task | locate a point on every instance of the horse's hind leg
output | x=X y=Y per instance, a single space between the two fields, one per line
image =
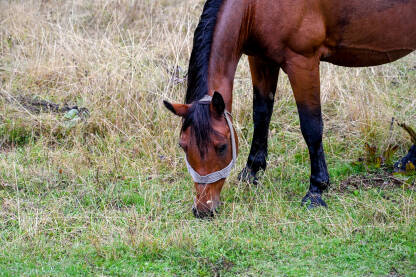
x=264 y=77
x=410 y=157
x=303 y=74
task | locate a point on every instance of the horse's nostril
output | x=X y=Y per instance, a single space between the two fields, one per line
x=195 y=212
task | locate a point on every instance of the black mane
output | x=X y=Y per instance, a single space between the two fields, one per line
x=198 y=115
x=198 y=64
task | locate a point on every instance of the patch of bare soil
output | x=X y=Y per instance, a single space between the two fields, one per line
x=394 y=273
x=36 y=105
x=380 y=180
x=221 y=265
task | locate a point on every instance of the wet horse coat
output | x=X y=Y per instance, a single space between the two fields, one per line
x=294 y=35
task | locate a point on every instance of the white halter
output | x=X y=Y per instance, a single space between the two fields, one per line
x=223 y=173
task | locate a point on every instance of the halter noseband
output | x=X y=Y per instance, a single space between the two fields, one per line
x=223 y=173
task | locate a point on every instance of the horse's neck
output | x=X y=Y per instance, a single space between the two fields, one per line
x=226 y=50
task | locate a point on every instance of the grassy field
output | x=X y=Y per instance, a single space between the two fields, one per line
x=110 y=195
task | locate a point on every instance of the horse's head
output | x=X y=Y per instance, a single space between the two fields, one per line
x=210 y=145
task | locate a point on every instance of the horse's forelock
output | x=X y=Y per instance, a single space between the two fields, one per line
x=199 y=120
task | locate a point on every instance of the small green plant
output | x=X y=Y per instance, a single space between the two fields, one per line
x=379 y=158
x=15 y=133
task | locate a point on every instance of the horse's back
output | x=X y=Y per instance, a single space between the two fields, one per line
x=348 y=33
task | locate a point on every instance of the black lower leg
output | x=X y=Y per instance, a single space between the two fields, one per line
x=262 y=112
x=410 y=157
x=311 y=126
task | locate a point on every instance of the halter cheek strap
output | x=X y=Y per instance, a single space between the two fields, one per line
x=223 y=173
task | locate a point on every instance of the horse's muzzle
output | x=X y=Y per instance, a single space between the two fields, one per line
x=202 y=214
x=206 y=212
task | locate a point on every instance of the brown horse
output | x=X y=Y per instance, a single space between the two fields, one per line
x=294 y=35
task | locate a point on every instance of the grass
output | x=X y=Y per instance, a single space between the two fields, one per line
x=111 y=196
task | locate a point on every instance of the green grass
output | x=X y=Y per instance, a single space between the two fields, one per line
x=111 y=196
x=136 y=225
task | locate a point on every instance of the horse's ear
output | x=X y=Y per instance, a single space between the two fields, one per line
x=178 y=109
x=217 y=103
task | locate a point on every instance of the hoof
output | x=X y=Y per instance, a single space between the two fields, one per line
x=315 y=200
x=403 y=166
x=400 y=166
x=247 y=175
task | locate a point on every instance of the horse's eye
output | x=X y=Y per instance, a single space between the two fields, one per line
x=221 y=149
x=181 y=146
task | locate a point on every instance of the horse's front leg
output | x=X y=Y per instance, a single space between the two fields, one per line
x=303 y=74
x=264 y=77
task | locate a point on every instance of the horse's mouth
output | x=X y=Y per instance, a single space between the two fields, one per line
x=202 y=214
x=207 y=214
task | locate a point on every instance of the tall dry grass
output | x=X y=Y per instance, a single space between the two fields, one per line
x=120 y=58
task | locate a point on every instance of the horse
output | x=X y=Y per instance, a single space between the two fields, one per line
x=292 y=35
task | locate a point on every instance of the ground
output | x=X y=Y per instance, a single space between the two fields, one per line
x=110 y=194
